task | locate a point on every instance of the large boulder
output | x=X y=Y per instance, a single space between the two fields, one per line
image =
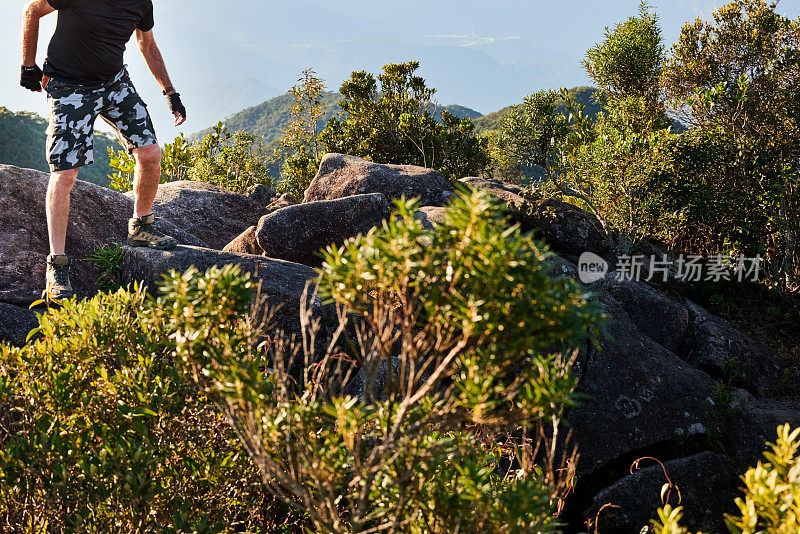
x=98 y=216
x=568 y=229
x=715 y=346
x=706 y=482
x=244 y=243
x=286 y=199
x=341 y=176
x=639 y=395
x=430 y=215
x=282 y=282
x=662 y=319
x=15 y=324
x=208 y=211
x=261 y=193
x=297 y=233
x=509 y=193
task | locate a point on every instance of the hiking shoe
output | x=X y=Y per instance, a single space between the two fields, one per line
x=142 y=232
x=57 y=278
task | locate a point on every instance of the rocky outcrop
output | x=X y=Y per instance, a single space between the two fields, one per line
x=706 y=481
x=286 y=199
x=297 y=233
x=342 y=176
x=244 y=243
x=213 y=214
x=98 y=216
x=715 y=346
x=662 y=319
x=566 y=228
x=261 y=193
x=640 y=395
x=15 y=324
x=282 y=283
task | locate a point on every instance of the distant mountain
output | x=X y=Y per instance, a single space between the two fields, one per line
x=462 y=112
x=269 y=119
x=209 y=103
x=22 y=143
x=583 y=95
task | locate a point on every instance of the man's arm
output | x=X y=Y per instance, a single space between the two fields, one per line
x=34 y=10
x=155 y=62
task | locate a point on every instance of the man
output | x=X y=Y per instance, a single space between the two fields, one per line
x=84 y=77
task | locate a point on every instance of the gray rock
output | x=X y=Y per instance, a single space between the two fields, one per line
x=662 y=319
x=639 y=395
x=342 y=176
x=707 y=483
x=752 y=423
x=297 y=233
x=286 y=199
x=15 y=324
x=98 y=216
x=245 y=243
x=430 y=215
x=715 y=346
x=212 y=213
x=511 y=194
x=261 y=193
x=282 y=282
x=568 y=229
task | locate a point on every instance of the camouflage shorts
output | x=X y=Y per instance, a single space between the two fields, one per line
x=73 y=110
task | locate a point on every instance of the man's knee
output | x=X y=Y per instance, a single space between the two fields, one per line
x=148 y=156
x=63 y=179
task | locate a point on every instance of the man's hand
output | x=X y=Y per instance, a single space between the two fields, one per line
x=31 y=78
x=177 y=108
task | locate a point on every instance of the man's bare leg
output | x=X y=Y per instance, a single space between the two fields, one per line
x=142 y=231
x=57 y=208
x=146 y=177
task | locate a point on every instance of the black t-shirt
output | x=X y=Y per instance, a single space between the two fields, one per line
x=89 y=42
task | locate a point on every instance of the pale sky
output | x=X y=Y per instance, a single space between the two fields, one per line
x=483 y=54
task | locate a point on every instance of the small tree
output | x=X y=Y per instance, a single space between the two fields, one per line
x=532 y=133
x=397 y=124
x=233 y=161
x=301 y=144
x=626 y=66
x=738 y=76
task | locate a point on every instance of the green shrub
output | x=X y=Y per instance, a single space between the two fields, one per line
x=234 y=161
x=100 y=433
x=397 y=124
x=474 y=340
x=301 y=144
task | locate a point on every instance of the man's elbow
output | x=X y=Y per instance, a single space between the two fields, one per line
x=33 y=9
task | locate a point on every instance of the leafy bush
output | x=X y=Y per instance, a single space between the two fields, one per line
x=445 y=366
x=626 y=66
x=771 y=502
x=234 y=161
x=531 y=133
x=738 y=76
x=398 y=124
x=100 y=433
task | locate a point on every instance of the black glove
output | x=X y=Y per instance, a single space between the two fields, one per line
x=31 y=78
x=175 y=104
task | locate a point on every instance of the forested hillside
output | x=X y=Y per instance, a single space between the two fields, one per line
x=22 y=143
x=269 y=119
